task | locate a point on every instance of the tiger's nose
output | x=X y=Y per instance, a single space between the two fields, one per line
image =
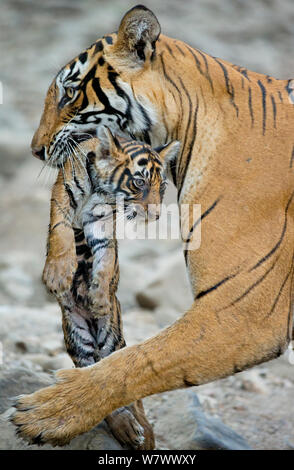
x=39 y=152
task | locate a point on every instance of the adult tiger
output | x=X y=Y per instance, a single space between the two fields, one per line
x=236 y=129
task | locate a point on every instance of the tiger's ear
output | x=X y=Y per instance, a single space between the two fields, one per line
x=168 y=152
x=109 y=144
x=138 y=32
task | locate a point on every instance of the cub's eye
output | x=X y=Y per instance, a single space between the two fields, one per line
x=70 y=91
x=139 y=182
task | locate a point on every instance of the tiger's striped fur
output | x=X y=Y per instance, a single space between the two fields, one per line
x=236 y=159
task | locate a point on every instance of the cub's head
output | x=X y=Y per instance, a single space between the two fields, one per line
x=113 y=82
x=131 y=170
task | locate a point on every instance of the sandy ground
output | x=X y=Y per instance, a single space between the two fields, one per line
x=36 y=39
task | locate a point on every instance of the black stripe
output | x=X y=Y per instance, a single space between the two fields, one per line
x=229 y=86
x=108 y=39
x=142 y=162
x=82 y=249
x=263 y=93
x=79 y=235
x=187 y=128
x=244 y=73
x=72 y=200
x=180 y=50
x=96 y=241
x=122 y=177
x=98 y=46
x=198 y=65
x=205 y=214
x=174 y=85
x=280 y=291
x=103 y=99
x=210 y=289
x=250 y=106
x=173 y=170
x=113 y=174
x=274 y=110
x=100 y=246
x=289 y=88
x=138 y=152
x=207 y=74
x=131 y=146
x=255 y=284
x=77 y=183
x=272 y=251
x=112 y=76
x=170 y=50
x=194 y=134
x=60 y=223
x=83 y=57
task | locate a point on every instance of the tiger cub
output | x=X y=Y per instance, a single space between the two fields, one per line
x=81 y=267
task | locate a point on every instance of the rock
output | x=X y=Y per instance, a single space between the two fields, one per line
x=252 y=381
x=290 y=445
x=168 y=287
x=182 y=424
x=53 y=345
x=47 y=363
x=213 y=434
x=139 y=325
x=16 y=283
x=31 y=330
x=15 y=381
x=145 y=301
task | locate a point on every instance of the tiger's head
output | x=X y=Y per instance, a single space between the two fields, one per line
x=115 y=82
x=129 y=171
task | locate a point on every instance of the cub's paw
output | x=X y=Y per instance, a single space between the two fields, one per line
x=99 y=300
x=59 y=272
x=130 y=430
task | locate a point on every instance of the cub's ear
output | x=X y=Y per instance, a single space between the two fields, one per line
x=168 y=152
x=138 y=32
x=109 y=144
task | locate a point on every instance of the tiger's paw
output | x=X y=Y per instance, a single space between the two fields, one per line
x=55 y=414
x=131 y=429
x=59 y=272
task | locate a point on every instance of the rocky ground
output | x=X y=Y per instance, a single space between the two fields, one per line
x=253 y=409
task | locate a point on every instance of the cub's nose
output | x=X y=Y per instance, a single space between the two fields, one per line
x=39 y=152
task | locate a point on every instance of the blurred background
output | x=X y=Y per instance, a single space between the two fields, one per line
x=252 y=409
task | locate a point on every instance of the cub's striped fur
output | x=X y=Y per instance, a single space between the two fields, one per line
x=82 y=267
x=236 y=160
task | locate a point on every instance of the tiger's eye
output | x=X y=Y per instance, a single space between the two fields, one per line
x=70 y=92
x=139 y=182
